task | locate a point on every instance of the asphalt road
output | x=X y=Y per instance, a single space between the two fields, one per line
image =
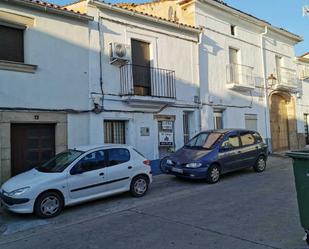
x=245 y=210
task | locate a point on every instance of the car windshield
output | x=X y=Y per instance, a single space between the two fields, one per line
x=60 y=161
x=205 y=140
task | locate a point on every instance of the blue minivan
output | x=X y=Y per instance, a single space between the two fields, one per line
x=212 y=153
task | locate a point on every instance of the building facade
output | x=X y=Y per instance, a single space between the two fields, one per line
x=43 y=78
x=149 y=97
x=248 y=75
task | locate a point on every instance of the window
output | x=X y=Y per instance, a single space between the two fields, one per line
x=93 y=161
x=232 y=142
x=204 y=140
x=233 y=30
x=278 y=67
x=118 y=156
x=218 y=119
x=258 y=138
x=251 y=122
x=247 y=139
x=11 y=44
x=114 y=132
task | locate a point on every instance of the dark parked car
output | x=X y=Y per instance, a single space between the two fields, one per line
x=212 y=153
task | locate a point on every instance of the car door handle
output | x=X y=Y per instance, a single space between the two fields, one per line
x=101 y=174
x=239 y=152
x=130 y=167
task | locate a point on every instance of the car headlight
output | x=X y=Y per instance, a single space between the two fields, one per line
x=193 y=165
x=169 y=162
x=18 y=191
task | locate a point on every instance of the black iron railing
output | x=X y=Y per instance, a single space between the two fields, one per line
x=147 y=81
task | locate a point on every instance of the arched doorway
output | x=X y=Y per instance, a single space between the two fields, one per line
x=282 y=121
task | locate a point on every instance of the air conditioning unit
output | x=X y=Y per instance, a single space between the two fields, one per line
x=119 y=53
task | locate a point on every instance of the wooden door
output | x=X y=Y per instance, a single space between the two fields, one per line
x=306 y=124
x=141 y=67
x=279 y=123
x=31 y=145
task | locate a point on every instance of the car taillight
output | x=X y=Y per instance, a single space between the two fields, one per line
x=146 y=162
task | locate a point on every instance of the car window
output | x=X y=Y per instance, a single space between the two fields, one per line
x=247 y=139
x=118 y=156
x=231 y=142
x=258 y=138
x=60 y=162
x=204 y=140
x=93 y=161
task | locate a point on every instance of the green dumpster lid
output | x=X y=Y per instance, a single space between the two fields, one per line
x=299 y=154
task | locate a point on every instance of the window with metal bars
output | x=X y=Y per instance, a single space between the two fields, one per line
x=114 y=132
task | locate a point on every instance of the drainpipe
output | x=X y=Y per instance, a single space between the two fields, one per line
x=199 y=79
x=266 y=102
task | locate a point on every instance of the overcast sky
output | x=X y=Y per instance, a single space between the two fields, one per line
x=282 y=13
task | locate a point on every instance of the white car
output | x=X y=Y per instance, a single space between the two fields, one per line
x=77 y=175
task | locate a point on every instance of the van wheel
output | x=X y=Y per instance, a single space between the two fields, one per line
x=139 y=186
x=48 y=205
x=213 y=174
x=260 y=164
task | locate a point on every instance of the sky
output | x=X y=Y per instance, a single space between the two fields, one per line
x=286 y=14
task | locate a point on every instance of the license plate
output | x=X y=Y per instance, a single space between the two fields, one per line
x=177 y=170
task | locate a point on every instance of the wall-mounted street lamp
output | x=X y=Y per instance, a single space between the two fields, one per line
x=272 y=80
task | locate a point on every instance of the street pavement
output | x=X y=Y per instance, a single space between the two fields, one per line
x=245 y=210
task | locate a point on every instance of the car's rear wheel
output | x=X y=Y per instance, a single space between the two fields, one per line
x=48 y=205
x=213 y=174
x=139 y=186
x=260 y=164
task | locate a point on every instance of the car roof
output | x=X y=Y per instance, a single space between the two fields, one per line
x=86 y=148
x=224 y=131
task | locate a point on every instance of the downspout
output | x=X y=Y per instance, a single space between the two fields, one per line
x=100 y=59
x=199 y=80
x=266 y=102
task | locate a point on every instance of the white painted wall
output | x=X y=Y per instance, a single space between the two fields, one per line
x=214 y=56
x=59 y=47
x=171 y=49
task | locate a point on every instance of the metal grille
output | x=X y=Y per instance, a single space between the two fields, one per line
x=114 y=132
x=147 y=81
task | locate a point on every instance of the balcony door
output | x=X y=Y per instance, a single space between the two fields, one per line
x=141 y=67
x=234 y=63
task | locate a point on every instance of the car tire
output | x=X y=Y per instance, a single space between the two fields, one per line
x=162 y=167
x=213 y=174
x=48 y=205
x=260 y=164
x=139 y=186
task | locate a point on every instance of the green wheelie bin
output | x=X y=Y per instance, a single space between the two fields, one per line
x=301 y=176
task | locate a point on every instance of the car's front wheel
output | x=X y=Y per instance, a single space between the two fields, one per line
x=213 y=174
x=48 y=205
x=260 y=164
x=139 y=186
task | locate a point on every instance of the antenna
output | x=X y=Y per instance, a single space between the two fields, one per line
x=305 y=11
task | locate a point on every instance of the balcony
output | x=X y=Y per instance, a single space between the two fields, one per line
x=142 y=84
x=304 y=75
x=287 y=80
x=240 y=77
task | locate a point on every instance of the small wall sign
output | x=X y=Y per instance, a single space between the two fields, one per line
x=145 y=131
x=166 y=138
x=167 y=125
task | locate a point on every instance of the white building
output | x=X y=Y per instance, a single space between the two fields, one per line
x=143 y=78
x=43 y=78
x=247 y=72
x=303 y=100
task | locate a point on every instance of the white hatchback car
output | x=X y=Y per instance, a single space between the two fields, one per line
x=77 y=175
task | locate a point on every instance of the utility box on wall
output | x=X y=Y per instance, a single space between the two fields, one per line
x=145 y=131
